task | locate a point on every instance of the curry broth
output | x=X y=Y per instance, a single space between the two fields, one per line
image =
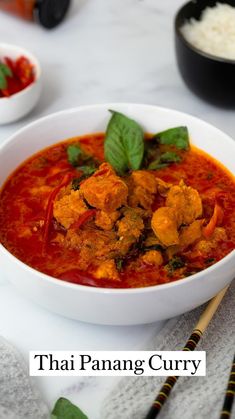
x=23 y=206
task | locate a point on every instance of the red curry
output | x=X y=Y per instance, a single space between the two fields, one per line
x=131 y=239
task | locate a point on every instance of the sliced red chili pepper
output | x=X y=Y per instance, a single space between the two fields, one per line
x=216 y=218
x=10 y=63
x=22 y=75
x=49 y=210
x=104 y=170
x=100 y=172
x=86 y=216
x=24 y=70
x=13 y=86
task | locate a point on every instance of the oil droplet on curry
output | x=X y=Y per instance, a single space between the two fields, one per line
x=90 y=225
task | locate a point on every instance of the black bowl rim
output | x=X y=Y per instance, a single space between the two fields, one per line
x=198 y=51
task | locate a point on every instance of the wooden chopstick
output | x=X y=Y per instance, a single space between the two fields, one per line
x=191 y=344
x=229 y=395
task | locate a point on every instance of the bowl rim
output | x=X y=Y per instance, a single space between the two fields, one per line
x=114 y=291
x=196 y=50
x=35 y=62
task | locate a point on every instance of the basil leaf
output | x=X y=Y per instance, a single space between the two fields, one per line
x=87 y=170
x=5 y=72
x=73 y=153
x=64 y=409
x=119 y=264
x=81 y=160
x=164 y=160
x=3 y=81
x=124 y=143
x=170 y=157
x=157 y=165
x=178 y=137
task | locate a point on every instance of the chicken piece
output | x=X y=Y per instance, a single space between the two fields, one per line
x=69 y=208
x=153 y=257
x=129 y=230
x=205 y=246
x=163 y=187
x=185 y=201
x=106 y=220
x=131 y=224
x=142 y=189
x=100 y=242
x=91 y=244
x=164 y=225
x=145 y=180
x=191 y=233
x=105 y=190
x=107 y=270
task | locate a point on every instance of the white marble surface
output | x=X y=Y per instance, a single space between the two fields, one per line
x=106 y=51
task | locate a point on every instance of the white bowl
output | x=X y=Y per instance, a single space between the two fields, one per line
x=20 y=104
x=114 y=306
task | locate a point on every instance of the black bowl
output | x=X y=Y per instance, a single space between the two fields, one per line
x=210 y=77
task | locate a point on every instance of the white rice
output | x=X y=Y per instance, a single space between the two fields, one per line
x=215 y=32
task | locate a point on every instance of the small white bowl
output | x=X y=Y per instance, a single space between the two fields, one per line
x=20 y=104
x=104 y=305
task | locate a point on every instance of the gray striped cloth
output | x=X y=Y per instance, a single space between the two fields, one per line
x=192 y=397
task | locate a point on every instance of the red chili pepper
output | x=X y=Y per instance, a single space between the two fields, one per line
x=100 y=172
x=13 y=86
x=22 y=75
x=86 y=216
x=103 y=170
x=49 y=210
x=216 y=218
x=10 y=63
x=24 y=71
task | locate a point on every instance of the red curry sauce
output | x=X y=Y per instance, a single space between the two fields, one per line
x=25 y=193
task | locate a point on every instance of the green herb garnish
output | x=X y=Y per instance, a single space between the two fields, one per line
x=78 y=157
x=82 y=161
x=77 y=181
x=177 y=137
x=87 y=170
x=119 y=264
x=64 y=409
x=174 y=138
x=164 y=160
x=124 y=143
x=170 y=157
x=5 y=72
x=74 y=154
x=175 y=263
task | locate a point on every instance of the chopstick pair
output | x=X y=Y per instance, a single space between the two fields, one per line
x=191 y=344
x=229 y=395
